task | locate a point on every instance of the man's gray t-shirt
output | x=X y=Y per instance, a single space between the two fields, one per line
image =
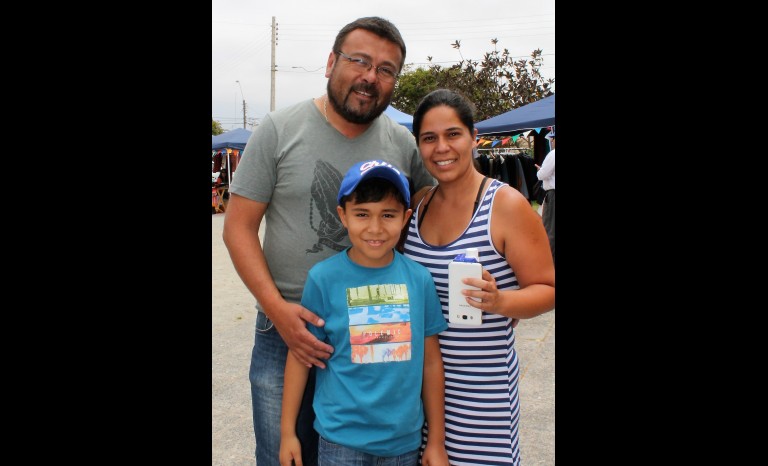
x=295 y=161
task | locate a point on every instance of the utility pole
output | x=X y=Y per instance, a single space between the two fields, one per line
x=274 y=43
x=241 y=93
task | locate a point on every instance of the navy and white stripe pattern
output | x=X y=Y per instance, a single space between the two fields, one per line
x=482 y=407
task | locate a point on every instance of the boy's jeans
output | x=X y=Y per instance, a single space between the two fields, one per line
x=333 y=454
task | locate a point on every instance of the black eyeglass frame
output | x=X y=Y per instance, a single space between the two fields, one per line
x=381 y=71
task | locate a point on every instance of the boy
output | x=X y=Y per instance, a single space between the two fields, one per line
x=382 y=316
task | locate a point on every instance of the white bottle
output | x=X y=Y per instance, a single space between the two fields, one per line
x=463 y=266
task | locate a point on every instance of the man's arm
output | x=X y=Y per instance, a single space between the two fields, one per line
x=241 y=237
x=547 y=166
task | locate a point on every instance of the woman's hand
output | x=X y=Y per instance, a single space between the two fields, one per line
x=488 y=294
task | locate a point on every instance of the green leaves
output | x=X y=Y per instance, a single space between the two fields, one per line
x=495 y=85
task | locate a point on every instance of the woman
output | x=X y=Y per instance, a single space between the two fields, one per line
x=467 y=209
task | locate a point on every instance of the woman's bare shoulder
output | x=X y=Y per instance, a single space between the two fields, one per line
x=419 y=195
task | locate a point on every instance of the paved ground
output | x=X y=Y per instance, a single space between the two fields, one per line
x=232 y=327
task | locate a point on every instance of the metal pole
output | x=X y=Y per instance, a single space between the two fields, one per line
x=274 y=43
x=241 y=93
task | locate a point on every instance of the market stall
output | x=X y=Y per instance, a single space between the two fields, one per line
x=226 y=151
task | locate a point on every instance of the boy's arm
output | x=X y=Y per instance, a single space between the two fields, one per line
x=296 y=375
x=433 y=394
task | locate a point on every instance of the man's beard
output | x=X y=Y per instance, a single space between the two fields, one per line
x=352 y=115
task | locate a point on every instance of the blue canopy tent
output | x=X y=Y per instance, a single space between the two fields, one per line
x=232 y=139
x=400 y=117
x=534 y=115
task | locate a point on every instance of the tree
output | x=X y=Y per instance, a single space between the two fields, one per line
x=217 y=129
x=411 y=87
x=495 y=85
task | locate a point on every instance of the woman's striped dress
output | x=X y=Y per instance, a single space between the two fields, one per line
x=482 y=407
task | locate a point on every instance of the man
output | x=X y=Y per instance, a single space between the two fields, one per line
x=546 y=174
x=289 y=175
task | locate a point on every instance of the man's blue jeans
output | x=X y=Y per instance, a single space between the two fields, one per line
x=266 y=375
x=333 y=454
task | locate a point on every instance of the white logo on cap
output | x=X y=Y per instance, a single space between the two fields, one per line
x=376 y=163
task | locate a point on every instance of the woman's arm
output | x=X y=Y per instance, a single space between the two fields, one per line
x=433 y=394
x=517 y=231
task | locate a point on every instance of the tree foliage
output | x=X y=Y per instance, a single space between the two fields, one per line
x=496 y=85
x=411 y=87
x=217 y=129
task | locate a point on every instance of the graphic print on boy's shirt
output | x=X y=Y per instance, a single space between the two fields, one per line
x=379 y=323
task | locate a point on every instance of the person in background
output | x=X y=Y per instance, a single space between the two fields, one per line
x=546 y=174
x=288 y=177
x=468 y=210
x=382 y=316
x=216 y=201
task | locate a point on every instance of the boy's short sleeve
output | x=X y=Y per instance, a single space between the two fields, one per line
x=312 y=299
x=434 y=322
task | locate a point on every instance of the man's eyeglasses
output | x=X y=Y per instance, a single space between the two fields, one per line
x=384 y=73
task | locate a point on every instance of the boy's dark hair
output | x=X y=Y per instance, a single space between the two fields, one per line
x=374 y=190
x=379 y=26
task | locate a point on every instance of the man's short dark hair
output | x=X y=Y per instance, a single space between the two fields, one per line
x=379 y=26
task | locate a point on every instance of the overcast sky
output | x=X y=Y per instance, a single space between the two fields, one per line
x=242 y=43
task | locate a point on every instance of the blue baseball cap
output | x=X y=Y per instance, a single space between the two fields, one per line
x=373 y=169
